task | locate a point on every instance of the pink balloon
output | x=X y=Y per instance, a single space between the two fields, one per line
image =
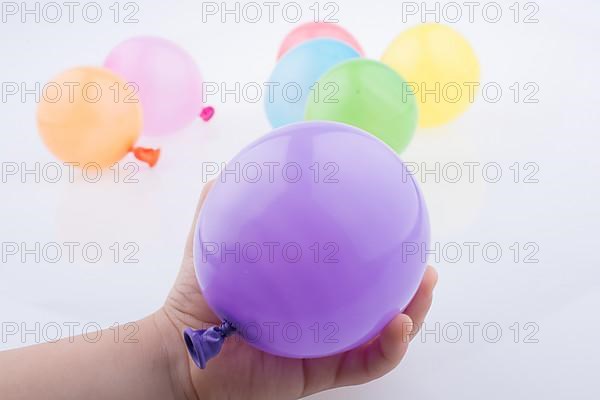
x=168 y=80
x=314 y=30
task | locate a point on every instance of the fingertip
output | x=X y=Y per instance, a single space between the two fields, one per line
x=377 y=358
x=434 y=273
x=209 y=185
x=203 y=195
x=205 y=190
x=395 y=337
x=430 y=278
x=190 y=239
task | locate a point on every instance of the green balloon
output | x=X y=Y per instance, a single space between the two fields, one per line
x=369 y=95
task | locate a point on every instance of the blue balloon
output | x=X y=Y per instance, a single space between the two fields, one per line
x=295 y=75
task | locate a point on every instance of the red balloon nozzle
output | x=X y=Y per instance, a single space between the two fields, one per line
x=144 y=154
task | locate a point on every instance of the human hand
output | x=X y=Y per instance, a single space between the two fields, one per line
x=243 y=372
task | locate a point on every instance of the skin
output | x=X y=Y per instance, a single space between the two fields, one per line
x=155 y=364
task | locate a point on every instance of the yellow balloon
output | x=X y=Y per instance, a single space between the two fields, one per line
x=440 y=66
x=89 y=115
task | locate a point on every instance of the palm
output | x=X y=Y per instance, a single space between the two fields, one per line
x=241 y=371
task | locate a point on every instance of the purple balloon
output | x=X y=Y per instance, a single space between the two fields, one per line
x=311 y=240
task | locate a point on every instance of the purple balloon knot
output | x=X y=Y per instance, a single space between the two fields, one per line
x=204 y=344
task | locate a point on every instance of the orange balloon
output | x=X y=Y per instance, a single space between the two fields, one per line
x=89 y=115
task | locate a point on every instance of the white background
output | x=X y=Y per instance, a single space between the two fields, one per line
x=559 y=294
